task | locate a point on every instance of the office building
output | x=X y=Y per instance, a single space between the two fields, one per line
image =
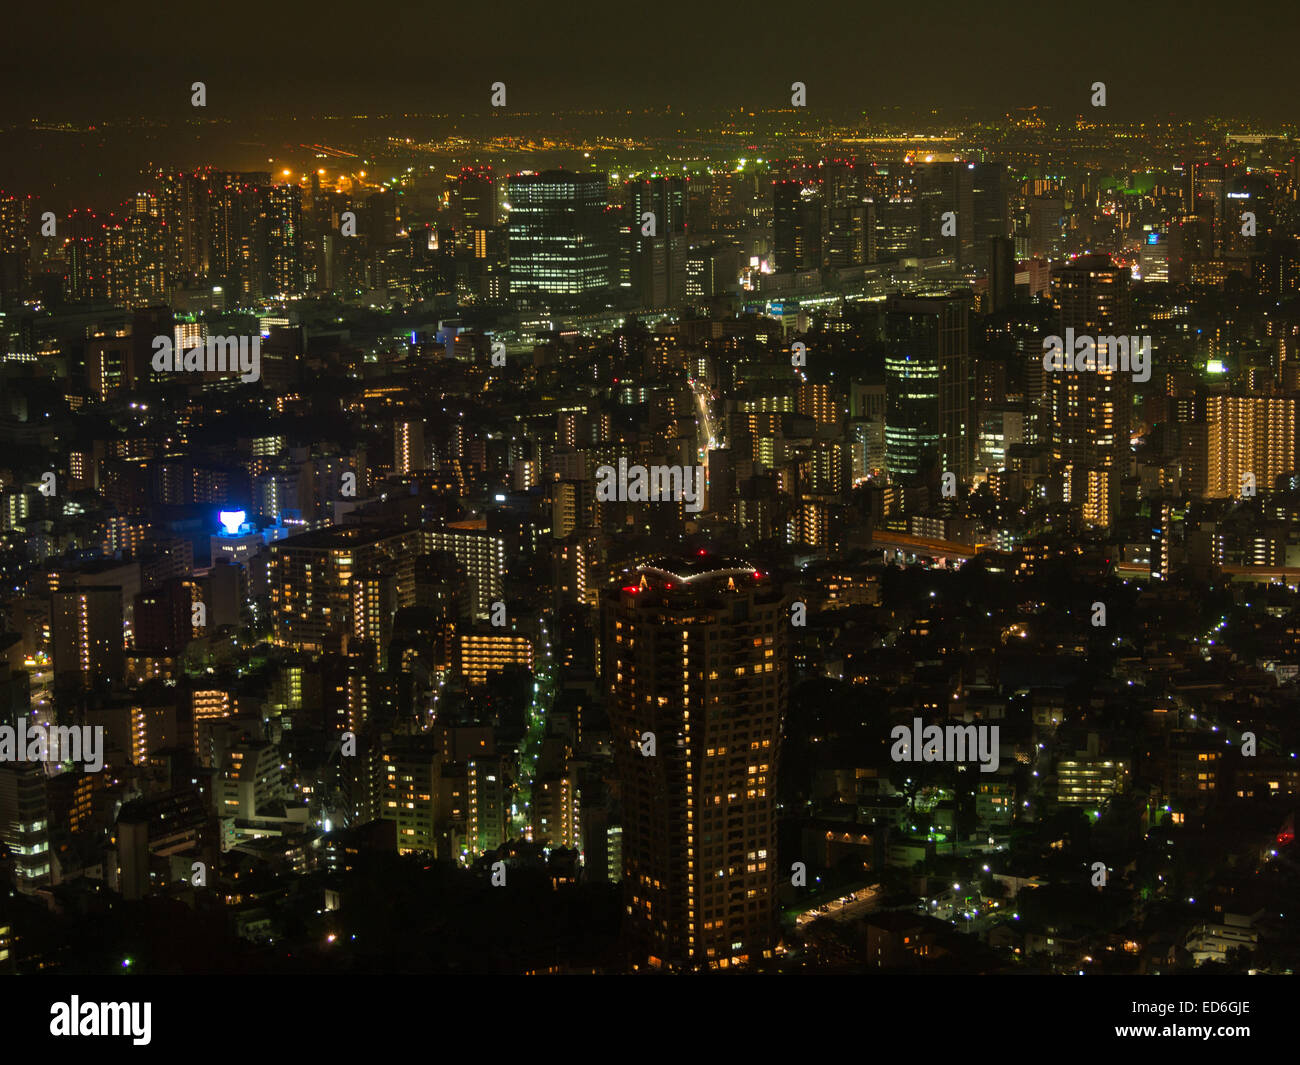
x=560 y=236
x=797 y=225
x=25 y=822
x=657 y=260
x=927 y=387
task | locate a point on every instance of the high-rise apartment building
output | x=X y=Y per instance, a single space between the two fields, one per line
x=374 y=604
x=695 y=661
x=487 y=650
x=1253 y=435
x=481 y=553
x=86 y=631
x=182 y=215
x=236 y=234
x=282 y=212
x=410 y=784
x=1091 y=410
x=311 y=580
x=409 y=451
x=15 y=248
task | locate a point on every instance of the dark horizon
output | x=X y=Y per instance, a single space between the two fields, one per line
x=1155 y=59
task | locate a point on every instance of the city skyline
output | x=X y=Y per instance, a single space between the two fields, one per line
x=754 y=491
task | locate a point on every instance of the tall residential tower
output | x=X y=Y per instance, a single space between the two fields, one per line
x=695 y=656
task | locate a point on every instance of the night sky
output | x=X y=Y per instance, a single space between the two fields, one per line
x=108 y=61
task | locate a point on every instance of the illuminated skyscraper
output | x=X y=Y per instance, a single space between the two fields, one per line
x=560 y=235
x=927 y=387
x=657 y=273
x=236 y=234
x=182 y=218
x=947 y=186
x=474 y=200
x=282 y=207
x=850 y=235
x=797 y=225
x=1279 y=270
x=1091 y=410
x=86 y=256
x=900 y=216
x=1209 y=193
x=695 y=659
x=15 y=249
x=136 y=255
x=1155 y=256
x=1253 y=435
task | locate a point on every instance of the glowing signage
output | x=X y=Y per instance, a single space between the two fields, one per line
x=232 y=520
